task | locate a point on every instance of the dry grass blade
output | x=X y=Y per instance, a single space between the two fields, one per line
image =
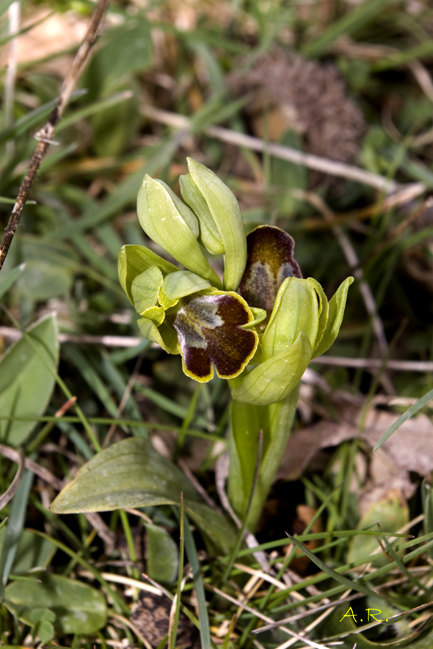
x=11 y=490
x=309 y=160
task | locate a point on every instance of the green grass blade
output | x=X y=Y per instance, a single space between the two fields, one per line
x=14 y=528
x=410 y=412
x=355 y=19
x=199 y=587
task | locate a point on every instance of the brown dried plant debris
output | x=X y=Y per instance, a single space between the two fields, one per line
x=310 y=98
x=408 y=451
x=151 y=615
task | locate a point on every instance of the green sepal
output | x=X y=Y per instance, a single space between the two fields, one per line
x=180 y=284
x=323 y=308
x=163 y=335
x=166 y=222
x=223 y=216
x=145 y=289
x=134 y=260
x=186 y=213
x=209 y=234
x=337 y=305
x=295 y=310
x=275 y=377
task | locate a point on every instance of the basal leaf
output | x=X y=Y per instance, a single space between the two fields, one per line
x=32 y=552
x=128 y=474
x=162 y=554
x=78 y=608
x=133 y=474
x=26 y=382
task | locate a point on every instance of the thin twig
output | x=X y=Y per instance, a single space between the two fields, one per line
x=277 y=150
x=399 y=229
x=263 y=617
x=40 y=471
x=375 y=363
x=10 y=333
x=45 y=136
x=353 y=263
x=124 y=400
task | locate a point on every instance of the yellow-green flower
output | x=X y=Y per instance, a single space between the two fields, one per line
x=276 y=323
x=185 y=311
x=301 y=325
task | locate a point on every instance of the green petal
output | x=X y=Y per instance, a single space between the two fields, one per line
x=222 y=219
x=163 y=335
x=259 y=315
x=269 y=262
x=180 y=284
x=166 y=223
x=337 y=304
x=145 y=288
x=211 y=332
x=134 y=260
x=296 y=309
x=276 y=377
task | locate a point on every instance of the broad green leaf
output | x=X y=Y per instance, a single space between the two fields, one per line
x=337 y=304
x=128 y=474
x=274 y=378
x=78 y=608
x=162 y=554
x=6 y=281
x=33 y=551
x=217 y=530
x=391 y=513
x=133 y=474
x=27 y=380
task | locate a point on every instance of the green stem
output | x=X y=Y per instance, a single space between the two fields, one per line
x=246 y=421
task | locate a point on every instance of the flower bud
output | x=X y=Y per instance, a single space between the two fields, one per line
x=173 y=226
x=221 y=225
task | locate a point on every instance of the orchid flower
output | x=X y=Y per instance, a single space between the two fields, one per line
x=261 y=337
